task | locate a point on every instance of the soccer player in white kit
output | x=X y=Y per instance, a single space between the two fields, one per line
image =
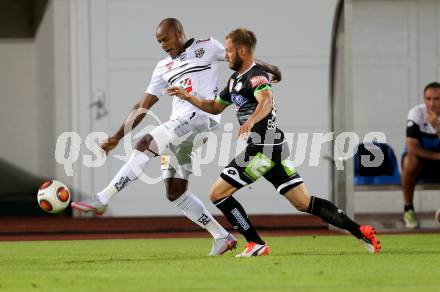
x=192 y=65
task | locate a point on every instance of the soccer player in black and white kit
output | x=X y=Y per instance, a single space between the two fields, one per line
x=191 y=65
x=266 y=154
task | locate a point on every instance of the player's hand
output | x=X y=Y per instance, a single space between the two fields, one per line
x=177 y=91
x=110 y=144
x=245 y=128
x=432 y=118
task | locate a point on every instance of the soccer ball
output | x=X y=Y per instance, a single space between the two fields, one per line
x=53 y=196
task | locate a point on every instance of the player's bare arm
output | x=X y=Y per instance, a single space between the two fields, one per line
x=263 y=108
x=414 y=148
x=272 y=69
x=135 y=117
x=209 y=106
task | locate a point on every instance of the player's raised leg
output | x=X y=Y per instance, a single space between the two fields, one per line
x=145 y=149
x=221 y=196
x=299 y=197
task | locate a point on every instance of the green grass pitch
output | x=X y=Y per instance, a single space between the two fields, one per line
x=299 y=263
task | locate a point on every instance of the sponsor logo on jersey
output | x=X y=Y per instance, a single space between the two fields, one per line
x=238 y=100
x=238 y=86
x=199 y=52
x=169 y=65
x=182 y=57
x=257 y=80
x=202 y=41
x=186 y=84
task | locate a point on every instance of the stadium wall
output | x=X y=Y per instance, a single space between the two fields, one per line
x=18 y=114
x=52 y=54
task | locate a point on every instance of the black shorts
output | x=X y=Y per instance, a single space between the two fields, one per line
x=256 y=161
x=430 y=170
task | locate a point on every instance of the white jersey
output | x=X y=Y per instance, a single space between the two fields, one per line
x=417 y=127
x=195 y=70
x=418 y=115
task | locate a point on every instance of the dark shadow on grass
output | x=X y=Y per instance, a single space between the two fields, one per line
x=144 y=259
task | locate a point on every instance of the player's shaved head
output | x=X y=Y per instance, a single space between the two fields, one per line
x=171 y=23
x=170 y=35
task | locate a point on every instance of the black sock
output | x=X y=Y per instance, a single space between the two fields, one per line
x=408 y=207
x=328 y=212
x=237 y=216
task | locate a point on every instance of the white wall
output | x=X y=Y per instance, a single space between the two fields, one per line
x=44 y=71
x=18 y=103
x=396 y=52
x=52 y=54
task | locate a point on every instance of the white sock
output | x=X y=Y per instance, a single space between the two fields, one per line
x=130 y=171
x=193 y=208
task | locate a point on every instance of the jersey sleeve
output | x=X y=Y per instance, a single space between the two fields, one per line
x=219 y=50
x=259 y=81
x=157 y=84
x=413 y=122
x=224 y=97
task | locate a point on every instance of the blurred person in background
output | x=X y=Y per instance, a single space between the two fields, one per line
x=421 y=158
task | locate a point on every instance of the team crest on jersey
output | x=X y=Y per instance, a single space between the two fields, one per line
x=257 y=80
x=199 y=53
x=238 y=86
x=186 y=84
x=169 y=65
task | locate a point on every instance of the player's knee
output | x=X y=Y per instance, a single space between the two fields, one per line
x=175 y=188
x=147 y=145
x=215 y=195
x=411 y=163
x=299 y=197
x=172 y=196
x=300 y=205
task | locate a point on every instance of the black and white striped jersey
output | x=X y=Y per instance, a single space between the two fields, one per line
x=195 y=70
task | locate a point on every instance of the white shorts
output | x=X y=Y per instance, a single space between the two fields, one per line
x=177 y=139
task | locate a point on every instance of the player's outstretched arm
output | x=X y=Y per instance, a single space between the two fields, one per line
x=272 y=69
x=136 y=115
x=209 y=106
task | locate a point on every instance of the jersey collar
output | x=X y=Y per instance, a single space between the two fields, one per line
x=185 y=46
x=247 y=70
